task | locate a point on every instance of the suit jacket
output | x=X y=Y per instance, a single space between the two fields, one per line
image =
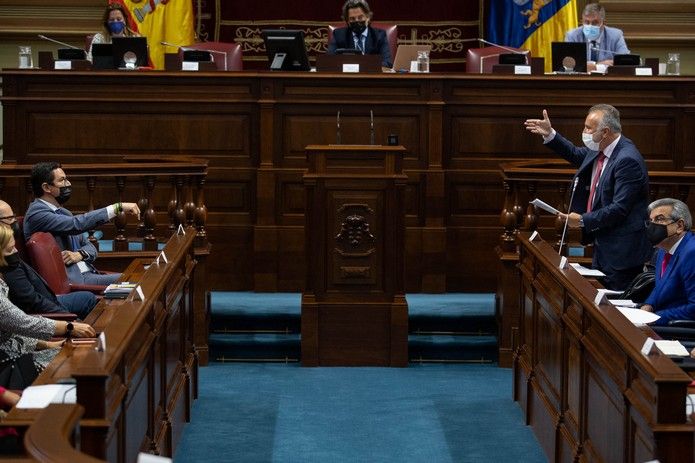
x=611 y=42
x=29 y=291
x=67 y=229
x=616 y=221
x=375 y=44
x=673 y=297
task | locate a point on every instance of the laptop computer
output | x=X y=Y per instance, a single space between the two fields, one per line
x=136 y=47
x=407 y=53
x=343 y=62
x=569 y=57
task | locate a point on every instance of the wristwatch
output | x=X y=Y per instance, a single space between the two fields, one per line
x=68 y=329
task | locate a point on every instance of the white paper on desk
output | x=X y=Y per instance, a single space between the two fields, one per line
x=545 y=206
x=672 y=348
x=638 y=316
x=41 y=396
x=149 y=458
x=623 y=302
x=587 y=272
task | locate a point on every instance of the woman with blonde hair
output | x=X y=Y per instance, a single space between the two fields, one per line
x=23 y=335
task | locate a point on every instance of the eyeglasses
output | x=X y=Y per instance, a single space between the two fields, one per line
x=661 y=220
x=9 y=217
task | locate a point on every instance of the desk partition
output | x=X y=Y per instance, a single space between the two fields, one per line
x=579 y=376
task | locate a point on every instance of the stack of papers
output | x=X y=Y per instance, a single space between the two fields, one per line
x=119 y=290
x=41 y=396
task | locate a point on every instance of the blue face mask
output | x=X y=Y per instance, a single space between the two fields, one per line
x=591 y=32
x=116 y=27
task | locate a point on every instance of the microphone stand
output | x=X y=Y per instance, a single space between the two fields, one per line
x=337 y=133
x=564 y=229
x=371 y=127
x=58 y=42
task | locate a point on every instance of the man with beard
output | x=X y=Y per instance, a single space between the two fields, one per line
x=46 y=213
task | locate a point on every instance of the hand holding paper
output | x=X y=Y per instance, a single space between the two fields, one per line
x=545 y=206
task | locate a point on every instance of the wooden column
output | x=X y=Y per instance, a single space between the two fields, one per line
x=353 y=308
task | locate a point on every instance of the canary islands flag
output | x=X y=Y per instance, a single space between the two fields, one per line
x=170 y=21
x=531 y=24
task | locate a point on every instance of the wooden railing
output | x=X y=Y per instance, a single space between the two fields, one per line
x=181 y=201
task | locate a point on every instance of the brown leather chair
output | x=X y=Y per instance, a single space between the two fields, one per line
x=481 y=60
x=390 y=29
x=44 y=255
x=227 y=56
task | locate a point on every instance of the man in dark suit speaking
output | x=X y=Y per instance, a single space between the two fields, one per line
x=612 y=193
x=359 y=35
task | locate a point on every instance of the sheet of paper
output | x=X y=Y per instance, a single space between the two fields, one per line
x=673 y=348
x=638 y=316
x=623 y=302
x=545 y=206
x=587 y=272
x=609 y=292
x=41 y=396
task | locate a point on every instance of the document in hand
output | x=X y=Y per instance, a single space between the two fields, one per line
x=545 y=206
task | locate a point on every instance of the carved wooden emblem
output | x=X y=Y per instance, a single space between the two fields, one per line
x=354 y=230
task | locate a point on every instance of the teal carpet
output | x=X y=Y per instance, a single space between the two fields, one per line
x=264 y=412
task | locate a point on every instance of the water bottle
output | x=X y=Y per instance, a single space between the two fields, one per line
x=25 y=59
x=423 y=61
x=673 y=65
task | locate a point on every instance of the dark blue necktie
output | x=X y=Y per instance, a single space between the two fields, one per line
x=358 y=42
x=594 y=51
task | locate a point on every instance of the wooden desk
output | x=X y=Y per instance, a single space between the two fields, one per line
x=253 y=127
x=136 y=394
x=580 y=377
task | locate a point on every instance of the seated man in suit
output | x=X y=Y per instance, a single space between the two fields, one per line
x=359 y=35
x=668 y=228
x=603 y=42
x=28 y=290
x=52 y=189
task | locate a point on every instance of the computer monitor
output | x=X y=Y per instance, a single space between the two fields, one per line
x=71 y=54
x=133 y=49
x=102 y=56
x=626 y=60
x=569 y=57
x=286 y=50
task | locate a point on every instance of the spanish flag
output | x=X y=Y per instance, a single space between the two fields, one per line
x=531 y=24
x=170 y=21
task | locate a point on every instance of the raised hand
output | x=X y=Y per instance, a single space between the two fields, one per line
x=540 y=126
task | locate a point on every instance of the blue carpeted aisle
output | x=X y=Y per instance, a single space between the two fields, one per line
x=265 y=412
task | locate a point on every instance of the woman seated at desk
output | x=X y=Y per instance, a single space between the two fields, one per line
x=114 y=24
x=22 y=334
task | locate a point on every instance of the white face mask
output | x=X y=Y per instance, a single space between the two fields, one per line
x=588 y=139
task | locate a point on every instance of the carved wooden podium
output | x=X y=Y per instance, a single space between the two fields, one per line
x=353 y=308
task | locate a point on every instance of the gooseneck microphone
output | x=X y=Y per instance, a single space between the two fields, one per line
x=58 y=42
x=564 y=229
x=371 y=127
x=503 y=47
x=337 y=128
x=593 y=46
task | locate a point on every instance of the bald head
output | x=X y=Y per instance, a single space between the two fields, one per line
x=5 y=210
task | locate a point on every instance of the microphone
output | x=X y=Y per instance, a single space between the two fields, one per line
x=594 y=46
x=564 y=229
x=212 y=52
x=503 y=47
x=58 y=42
x=337 y=133
x=371 y=126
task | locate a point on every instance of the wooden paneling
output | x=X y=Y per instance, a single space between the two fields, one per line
x=253 y=128
x=586 y=388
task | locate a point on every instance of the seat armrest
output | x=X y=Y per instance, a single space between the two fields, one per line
x=96 y=289
x=682 y=323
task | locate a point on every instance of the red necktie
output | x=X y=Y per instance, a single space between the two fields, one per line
x=664 y=263
x=594 y=183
